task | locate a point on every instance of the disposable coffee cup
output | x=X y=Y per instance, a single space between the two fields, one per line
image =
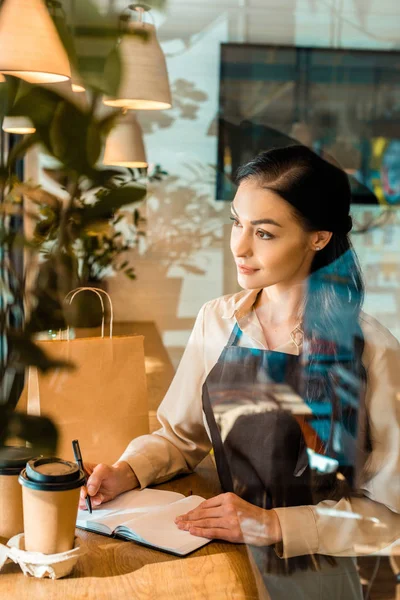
x=12 y=461
x=50 y=491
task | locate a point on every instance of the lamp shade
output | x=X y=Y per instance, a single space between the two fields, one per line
x=77 y=84
x=124 y=145
x=77 y=87
x=144 y=83
x=30 y=47
x=21 y=125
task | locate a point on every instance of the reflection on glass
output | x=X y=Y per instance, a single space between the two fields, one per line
x=308 y=429
x=344 y=104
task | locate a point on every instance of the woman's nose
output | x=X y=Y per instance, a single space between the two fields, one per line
x=241 y=245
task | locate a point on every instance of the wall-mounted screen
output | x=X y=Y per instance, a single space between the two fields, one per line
x=344 y=104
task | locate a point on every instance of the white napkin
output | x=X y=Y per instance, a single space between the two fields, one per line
x=37 y=564
x=3 y=555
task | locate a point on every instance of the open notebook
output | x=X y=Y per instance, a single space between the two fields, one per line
x=145 y=516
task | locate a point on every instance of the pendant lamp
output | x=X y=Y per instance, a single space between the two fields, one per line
x=30 y=47
x=20 y=125
x=144 y=83
x=77 y=84
x=124 y=144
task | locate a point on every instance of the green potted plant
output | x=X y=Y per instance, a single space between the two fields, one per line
x=97 y=247
x=100 y=250
x=58 y=271
x=33 y=301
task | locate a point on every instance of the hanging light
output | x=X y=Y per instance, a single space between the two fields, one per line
x=77 y=84
x=144 y=83
x=124 y=144
x=20 y=125
x=30 y=47
x=77 y=88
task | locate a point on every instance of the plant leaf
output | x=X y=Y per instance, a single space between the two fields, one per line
x=38 y=195
x=111 y=202
x=8 y=94
x=39 y=104
x=74 y=138
x=112 y=72
x=103 y=177
x=25 y=353
x=108 y=122
x=40 y=432
x=56 y=277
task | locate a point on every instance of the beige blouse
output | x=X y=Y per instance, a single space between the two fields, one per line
x=346 y=528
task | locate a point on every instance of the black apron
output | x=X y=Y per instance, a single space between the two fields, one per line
x=261 y=456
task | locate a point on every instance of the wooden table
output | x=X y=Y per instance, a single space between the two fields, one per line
x=117 y=570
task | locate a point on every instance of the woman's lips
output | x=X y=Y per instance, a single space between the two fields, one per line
x=246 y=270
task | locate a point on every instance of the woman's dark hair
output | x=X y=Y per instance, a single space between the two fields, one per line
x=331 y=363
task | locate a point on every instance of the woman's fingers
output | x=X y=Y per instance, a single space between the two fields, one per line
x=217 y=528
x=214 y=533
x=215 y=517
x=228 y=517
x=89 y=467
x=94 y=500
x=200 y=513
x=223 y=528
x=97 y=499
x=206 y=505
x=83 y=493
x=223 y=500
x=211 y=502
x=209 y=523
x=99 y=474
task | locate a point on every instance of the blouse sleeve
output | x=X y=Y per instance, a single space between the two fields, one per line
x=366 y=524
x=182 y=442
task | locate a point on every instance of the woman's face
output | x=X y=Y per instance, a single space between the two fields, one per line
x=267 y=242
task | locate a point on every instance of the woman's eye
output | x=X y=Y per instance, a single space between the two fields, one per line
x=235 y=222
x=263 y=235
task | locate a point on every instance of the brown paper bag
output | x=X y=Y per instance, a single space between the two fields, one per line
x=102 y=403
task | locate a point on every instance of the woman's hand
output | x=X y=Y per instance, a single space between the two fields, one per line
x=228 y=517
x=106 y=482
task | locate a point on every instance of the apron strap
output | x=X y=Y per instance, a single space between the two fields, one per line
x=235 y=336
x=224 y=471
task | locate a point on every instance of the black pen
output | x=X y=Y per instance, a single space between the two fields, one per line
x=78 y=459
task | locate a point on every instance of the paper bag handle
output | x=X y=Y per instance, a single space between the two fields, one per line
x=33 y=400
x=71 y=295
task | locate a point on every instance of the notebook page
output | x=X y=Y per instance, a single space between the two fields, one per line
x=124 y=508
x=119 y=519
x=159 y=529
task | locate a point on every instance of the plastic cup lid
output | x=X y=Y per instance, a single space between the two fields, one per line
x=50 y=473
x=13 y=458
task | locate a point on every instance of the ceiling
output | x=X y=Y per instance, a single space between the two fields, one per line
x=261 y=21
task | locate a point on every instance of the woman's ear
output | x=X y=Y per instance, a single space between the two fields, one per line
x=320 y=239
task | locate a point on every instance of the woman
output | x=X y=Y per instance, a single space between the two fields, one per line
x=293 y=343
